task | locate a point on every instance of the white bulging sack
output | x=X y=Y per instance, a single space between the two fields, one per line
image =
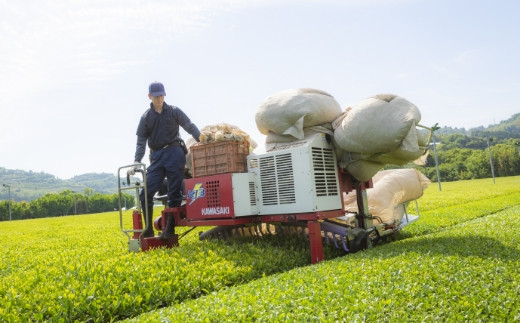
x=391 y=188
x=378 y=124
x=289 y=111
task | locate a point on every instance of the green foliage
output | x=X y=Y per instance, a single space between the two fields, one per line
x=459 y=262
x=453 y=141
x=64 y=203
x=464 y=154
x=509 y=128
x=505 y=129
x=466 y=273
x=462 y=265
x=79 y=268
x=463 y=163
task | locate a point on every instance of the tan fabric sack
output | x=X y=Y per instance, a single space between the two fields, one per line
x=288 y=112
x=377 y=124
x=390 y=189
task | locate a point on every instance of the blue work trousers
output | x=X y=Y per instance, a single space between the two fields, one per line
x=169 y=162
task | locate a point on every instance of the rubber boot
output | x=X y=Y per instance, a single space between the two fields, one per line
x=149 y=230
x=168 y=231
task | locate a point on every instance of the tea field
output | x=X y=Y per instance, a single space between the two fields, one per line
x=459 y=262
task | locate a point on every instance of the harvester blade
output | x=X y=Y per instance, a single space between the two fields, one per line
x=344 y=243
x=335 y=239
x=327 y=240
x=257 y=231
x=336 y=232
x=298 y=231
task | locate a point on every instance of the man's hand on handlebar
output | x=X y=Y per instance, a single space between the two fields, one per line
x=133 y=169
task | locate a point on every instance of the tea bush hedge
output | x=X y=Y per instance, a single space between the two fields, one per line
x=458 y=261
x=468 y=272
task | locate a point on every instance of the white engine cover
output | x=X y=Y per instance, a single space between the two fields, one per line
x=297 y=177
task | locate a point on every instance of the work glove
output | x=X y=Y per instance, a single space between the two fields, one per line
x=133 y=168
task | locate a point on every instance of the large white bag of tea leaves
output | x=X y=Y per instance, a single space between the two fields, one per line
x=289 y=111
x=391 y=190
x=413 y=147
x=378 y=124
x=358 y=165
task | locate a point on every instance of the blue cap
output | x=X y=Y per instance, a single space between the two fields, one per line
x=156 y=89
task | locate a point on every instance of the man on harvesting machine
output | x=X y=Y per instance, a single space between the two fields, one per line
x=159 y=125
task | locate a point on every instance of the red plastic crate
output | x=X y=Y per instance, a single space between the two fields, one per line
x=228 y=156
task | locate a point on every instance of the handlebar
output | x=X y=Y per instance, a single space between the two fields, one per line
x=128 y=175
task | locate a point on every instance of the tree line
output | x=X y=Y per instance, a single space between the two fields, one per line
x=65 y=203
x=461 y=157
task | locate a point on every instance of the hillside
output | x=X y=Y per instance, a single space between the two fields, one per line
x=509 y=128
x=27 y=186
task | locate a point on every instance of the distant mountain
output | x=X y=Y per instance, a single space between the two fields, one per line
x=27 y=186
x=509 y=128
x=102 y=183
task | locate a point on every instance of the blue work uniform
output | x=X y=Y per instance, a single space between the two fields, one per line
x=167 y=158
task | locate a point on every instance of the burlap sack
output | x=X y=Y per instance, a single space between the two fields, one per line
x=390 y=189
x=378 y=124
x=288 y=112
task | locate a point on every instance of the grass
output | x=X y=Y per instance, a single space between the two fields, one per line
x=466 y=273
x=458 y=262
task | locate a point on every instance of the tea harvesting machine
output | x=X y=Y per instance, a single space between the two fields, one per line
x=296 y=188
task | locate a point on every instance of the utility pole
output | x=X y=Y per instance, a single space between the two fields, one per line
x=9 y=193
x=75 y=209
x=491 y=160
x=436 y=127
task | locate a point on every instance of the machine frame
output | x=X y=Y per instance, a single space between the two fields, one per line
x=312 y=221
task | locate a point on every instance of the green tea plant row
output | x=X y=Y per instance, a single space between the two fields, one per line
x=462 y=201
x=470 y=240
x=462 y=192
x=78 y=267
x=466 y=273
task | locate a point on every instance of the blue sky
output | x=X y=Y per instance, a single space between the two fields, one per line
x=74 y=74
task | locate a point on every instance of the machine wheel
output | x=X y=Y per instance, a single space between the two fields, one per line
x=370 y=243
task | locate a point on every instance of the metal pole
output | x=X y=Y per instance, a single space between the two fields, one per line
x=9 y=193
x=491 y=160
x=436 y=127
x=75 y=209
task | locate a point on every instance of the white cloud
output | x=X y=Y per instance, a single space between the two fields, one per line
x=51 y=44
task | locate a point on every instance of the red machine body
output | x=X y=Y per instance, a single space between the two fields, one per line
x=209 y=202
x=209 y=197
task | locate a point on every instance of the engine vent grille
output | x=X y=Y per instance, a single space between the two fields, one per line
x=252 y=195
x=324 y=172
x=253 y=163
x=277 y=180
x=213 y=193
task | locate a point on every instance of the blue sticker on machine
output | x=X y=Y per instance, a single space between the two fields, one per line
x=197 y=192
